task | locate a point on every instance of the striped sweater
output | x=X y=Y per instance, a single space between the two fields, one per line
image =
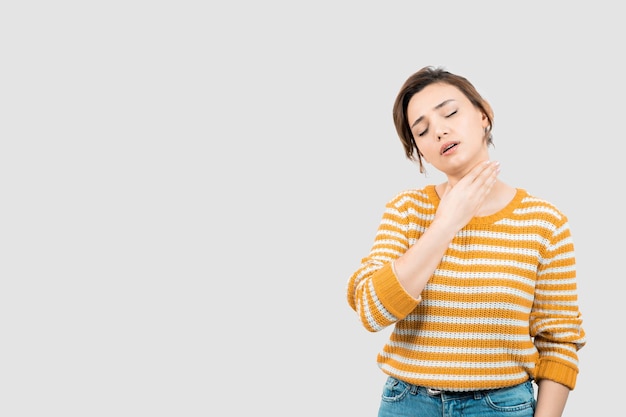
x=500 y=308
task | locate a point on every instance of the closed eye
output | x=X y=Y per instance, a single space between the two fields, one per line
x=452 y=114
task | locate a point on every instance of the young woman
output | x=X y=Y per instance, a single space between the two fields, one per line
x=477 y=277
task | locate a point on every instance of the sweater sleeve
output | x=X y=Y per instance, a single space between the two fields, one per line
x=374 y=291
x=556 y=322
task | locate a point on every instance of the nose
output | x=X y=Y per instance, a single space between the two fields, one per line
x=441 y=130
x=441 y=134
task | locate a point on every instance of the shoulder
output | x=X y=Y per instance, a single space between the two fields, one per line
x=538 y=206
x=413 y=198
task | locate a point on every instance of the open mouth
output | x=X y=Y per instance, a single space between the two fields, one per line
x=446 y=147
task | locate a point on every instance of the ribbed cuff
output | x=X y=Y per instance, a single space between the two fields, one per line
x=556 y=371
x=392 y=294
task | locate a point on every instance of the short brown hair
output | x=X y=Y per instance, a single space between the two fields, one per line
x=416 y=83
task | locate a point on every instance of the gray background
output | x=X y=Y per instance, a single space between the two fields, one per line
x=186 y=190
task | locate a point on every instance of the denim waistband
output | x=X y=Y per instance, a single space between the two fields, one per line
x=477 y=394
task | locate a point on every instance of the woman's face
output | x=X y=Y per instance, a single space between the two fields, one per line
x=448 y=130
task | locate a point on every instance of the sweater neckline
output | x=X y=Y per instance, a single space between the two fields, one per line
x=520 y=193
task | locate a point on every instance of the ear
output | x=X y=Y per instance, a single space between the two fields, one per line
x=488 y=115
x=485 y=121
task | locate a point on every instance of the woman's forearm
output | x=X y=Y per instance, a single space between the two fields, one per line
x=551 y=398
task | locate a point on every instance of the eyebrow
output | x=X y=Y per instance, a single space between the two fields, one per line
x=438 y=106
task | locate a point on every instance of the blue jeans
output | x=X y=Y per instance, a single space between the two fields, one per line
x=400 y=399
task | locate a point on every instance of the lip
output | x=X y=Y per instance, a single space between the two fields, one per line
x=446 y=146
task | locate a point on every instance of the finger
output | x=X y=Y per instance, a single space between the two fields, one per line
x=491 y=179
x=475 y=172
x=487 y=172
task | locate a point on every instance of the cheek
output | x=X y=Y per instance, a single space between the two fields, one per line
x=474 y=127
x=427 y=149
x=482 y=122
